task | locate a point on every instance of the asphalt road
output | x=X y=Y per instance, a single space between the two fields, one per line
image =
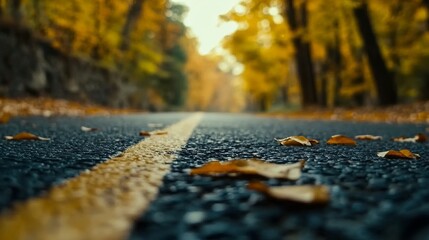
x=371 y=197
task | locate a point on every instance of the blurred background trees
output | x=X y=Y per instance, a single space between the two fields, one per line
x=143 y=39
x=283 y=53
x=338 y=53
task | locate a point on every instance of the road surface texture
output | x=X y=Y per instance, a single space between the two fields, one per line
x=371 y=197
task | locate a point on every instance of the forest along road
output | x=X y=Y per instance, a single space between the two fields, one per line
x=88 y=185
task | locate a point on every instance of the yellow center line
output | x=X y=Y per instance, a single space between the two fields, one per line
x=103 y=202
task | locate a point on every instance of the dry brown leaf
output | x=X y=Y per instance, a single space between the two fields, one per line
x=307 y=194
x=26 y=136
x=403 y=153
x=4 y=118
x=145 y=133
x=341 y=140
x=251 y=167
x=420 y=137
x=404 y=139
x=297 y=141
x=88 y=129
x=368 y=137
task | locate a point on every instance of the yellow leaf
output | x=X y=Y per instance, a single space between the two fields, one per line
x=297 y=141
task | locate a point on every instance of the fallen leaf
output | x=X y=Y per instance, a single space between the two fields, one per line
x=297 y=141
x=4 y=118
x=341 y=140
x=160 y=133
x=368 y=137
x=308 y=194
x=145 y=133
x=26 y=136
x=418 y=138
x=252 y=167
x=404 y=154
x=88 y=129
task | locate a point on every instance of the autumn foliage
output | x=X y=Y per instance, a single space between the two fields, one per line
x=145 y=40
x=341 y=53
x=283 y=53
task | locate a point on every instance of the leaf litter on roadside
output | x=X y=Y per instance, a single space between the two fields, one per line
x=308 y=194
x=341 y=140
x=297 y=141
x=251 y=167
x=368 y=137
x=25 y=136
x=420 y=138
x=402 y=154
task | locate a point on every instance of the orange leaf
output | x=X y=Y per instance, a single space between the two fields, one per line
x=341 y=140
x=26 y=136
x=252 y=167
x=403 y=153
x=297 y=141
x=301 y=194
x=368 y=137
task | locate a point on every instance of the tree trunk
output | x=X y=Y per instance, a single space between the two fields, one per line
x=15 y=10
x=96 y=50
x=336 y=63
x=302 y=52
x=38 y=14
x=426 y=5
x=133 y=15
x=395 y=10
x=384 y=82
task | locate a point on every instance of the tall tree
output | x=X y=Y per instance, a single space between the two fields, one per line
x=133 y=15
x=297 y=20
x=15 y=10
x=384 y=82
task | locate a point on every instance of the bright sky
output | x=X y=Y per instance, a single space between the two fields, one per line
x=203 y=20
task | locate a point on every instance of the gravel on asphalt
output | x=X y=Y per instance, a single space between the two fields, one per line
x=371 y=197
